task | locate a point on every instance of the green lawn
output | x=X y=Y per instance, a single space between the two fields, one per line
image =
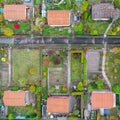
x=37 y=2
x=113 y=67
x=25 y=110
x=76 y=69
x=55 y=32
x=23 y=61
x=24 y=27
x=100 y=26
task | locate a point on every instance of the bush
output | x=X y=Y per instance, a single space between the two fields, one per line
x=15 y=88
x=38 y=90
x=93 y=32
x=79 y=28
x=10 y=116
x=56 y=61
x=32 y=115
x=116 y=88
x=32 y=88
x=85 y=15
x=32 y=71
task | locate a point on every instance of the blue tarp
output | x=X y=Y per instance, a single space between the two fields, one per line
x=106 y=112
x=1 y=10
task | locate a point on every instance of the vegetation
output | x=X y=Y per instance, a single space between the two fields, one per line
x=113 y=65
x=78 y=28
x=31 y=59
x=116 y=88
x=80 y=86
x=97 y=85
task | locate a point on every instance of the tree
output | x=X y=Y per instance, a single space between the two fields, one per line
x=84 y=6
x=8 y=32
x=90 y=88
x=10 y=116
x=117 y=3
x=76 y=112
x=100 y=84
x=116 y=88
x=32 y=88
x=79 y=28
x=85 y=15
x=80 y=86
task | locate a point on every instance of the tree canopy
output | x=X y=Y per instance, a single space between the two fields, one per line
x=116 y=88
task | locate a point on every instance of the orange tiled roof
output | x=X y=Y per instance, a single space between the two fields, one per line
x=58 y=17
x=15 y=12
x=58 y=104
x=102 y=100
x=14 y=98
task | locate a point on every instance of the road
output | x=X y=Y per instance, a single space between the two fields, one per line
x=28 y=40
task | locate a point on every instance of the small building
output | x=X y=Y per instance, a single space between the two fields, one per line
x=58 y=104
x=15 y=12
x=16 y=98
x=102 y=11
x=58 y=17
x=103 y=100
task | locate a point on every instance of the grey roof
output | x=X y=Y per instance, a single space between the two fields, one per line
x=102 y=11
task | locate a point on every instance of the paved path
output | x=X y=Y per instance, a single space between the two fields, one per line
x=69 y=65
x=105 y=34
x=10 y=67
x=103 y=67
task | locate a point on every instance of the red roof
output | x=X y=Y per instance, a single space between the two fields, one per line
x=58 y=104
x=15 y=12
x=58 y=17
x=103 y=100
x=14 y=98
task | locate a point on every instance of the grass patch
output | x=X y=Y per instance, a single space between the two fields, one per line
x=25 y=110
x=23 y=61
x=55 y=32
x=113 y=67
x=76 y=69
x=37 y=2
x=24 y=27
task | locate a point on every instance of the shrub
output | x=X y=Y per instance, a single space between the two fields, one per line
x=15 y=88
x=93 y=32
x=116 y=88
x=10 y=116
x=80 y=86
x=8 y=32
x=77 y=93
x=64 y=89
x=79 y=28
x=85 y=15
x=32 y=115
x=32 y=88
x=56 y=61
x=32 y=71
x=38 y=90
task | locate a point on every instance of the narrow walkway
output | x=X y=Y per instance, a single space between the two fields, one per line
x=10 y=68
x=105 y=34
x=103 y=67
x=69 y=64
